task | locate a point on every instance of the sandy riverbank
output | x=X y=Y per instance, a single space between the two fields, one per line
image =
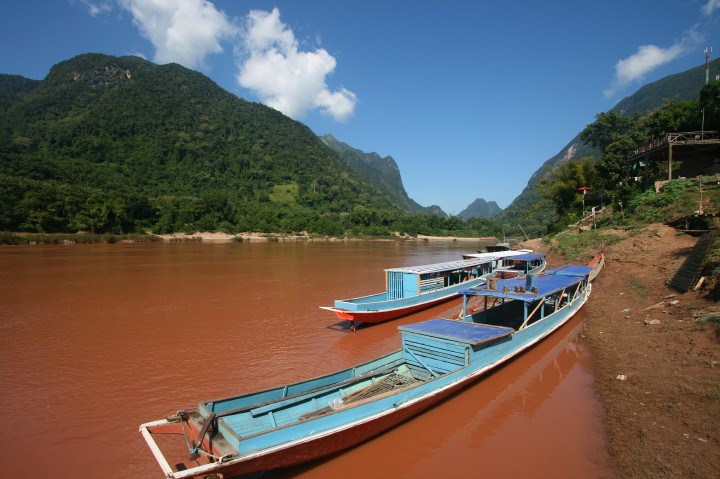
x=656 y=358
x=211 y=237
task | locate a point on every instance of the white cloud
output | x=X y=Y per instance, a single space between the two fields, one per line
x=648 y=58
x=96 y=7
x=183 y=31
x=285 y=78
x=636 y=66
x=711 y=6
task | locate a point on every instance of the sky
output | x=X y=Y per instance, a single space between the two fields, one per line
x=468 y=97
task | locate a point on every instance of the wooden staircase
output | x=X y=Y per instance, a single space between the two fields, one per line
x=689 y=273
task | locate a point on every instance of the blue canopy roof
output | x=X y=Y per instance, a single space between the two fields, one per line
x=461 y=264
x=461 y=331
x=570 y=270
x=551 y=282
x=527 y=256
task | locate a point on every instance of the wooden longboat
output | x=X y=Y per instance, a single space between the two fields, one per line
x=413 y=288
x=300 y=422
x=596 y=264
x=497 y=247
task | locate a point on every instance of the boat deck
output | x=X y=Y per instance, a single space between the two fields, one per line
x=430 y=349
x=247 y=423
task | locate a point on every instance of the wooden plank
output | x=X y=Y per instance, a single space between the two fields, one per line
x=421 y=363
x=208 y=422
x=150 y=440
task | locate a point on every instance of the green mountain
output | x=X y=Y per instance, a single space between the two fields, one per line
x=533 y=213
x=480 y=209
x=119 y=144
x=382 y=172
x=13 y=86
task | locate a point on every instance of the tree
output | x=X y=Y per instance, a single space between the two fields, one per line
x=612 y=168
x=710 y=102
x=561 y=187
x=672 y=117
x=610 y=127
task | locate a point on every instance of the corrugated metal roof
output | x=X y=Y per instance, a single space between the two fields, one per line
x=449 y=265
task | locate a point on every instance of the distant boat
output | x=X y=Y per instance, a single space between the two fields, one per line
x=412 y=288
x=479 y=254
x=493 y=248
x=300 y=422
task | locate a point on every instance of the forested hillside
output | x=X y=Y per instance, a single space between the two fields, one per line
x=382 y=172
x=119 y=144
x=533 y=212
x=123 y=144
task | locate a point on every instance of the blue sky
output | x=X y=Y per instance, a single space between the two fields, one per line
x=468 y=97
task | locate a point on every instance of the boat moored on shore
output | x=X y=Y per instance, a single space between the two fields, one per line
x=596 y=265
x=299 y=422
x=413 y=288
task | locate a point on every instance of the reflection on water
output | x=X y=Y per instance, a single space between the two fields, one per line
x=96 y=339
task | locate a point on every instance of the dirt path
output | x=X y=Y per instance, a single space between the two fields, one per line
x=657 y=366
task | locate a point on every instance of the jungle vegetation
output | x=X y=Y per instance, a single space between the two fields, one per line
x=120 y=145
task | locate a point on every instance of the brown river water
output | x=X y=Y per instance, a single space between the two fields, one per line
x=97 y=339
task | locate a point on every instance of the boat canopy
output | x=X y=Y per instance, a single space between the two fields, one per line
x=570 y=270
x=527 y=257
x=459 y=331
x=533 y=288
x=450 y=265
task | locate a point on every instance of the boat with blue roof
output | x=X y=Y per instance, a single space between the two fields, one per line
x=413 y=288
x=295 y=423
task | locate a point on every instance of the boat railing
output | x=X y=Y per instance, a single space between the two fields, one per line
x=256 y=409
x=431 y=284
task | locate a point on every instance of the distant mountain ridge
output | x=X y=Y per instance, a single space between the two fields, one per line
x=12 y=87
x=480 y=209
x=531 y=212
x=382 y=172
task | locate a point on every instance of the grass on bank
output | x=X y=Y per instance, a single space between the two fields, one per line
x=581 y=247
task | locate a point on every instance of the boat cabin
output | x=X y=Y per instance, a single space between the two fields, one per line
x=410 y=281
x=438 y=346
x=520 y=265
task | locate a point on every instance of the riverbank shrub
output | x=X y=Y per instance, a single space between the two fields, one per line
x=584 y=246
x=8 y=238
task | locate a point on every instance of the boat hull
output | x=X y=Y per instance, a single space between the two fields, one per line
x=597 y=264
x=374 y=317
x=322 y=445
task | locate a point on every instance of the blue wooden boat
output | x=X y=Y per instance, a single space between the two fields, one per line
x=299 y=422
x=412 y=288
